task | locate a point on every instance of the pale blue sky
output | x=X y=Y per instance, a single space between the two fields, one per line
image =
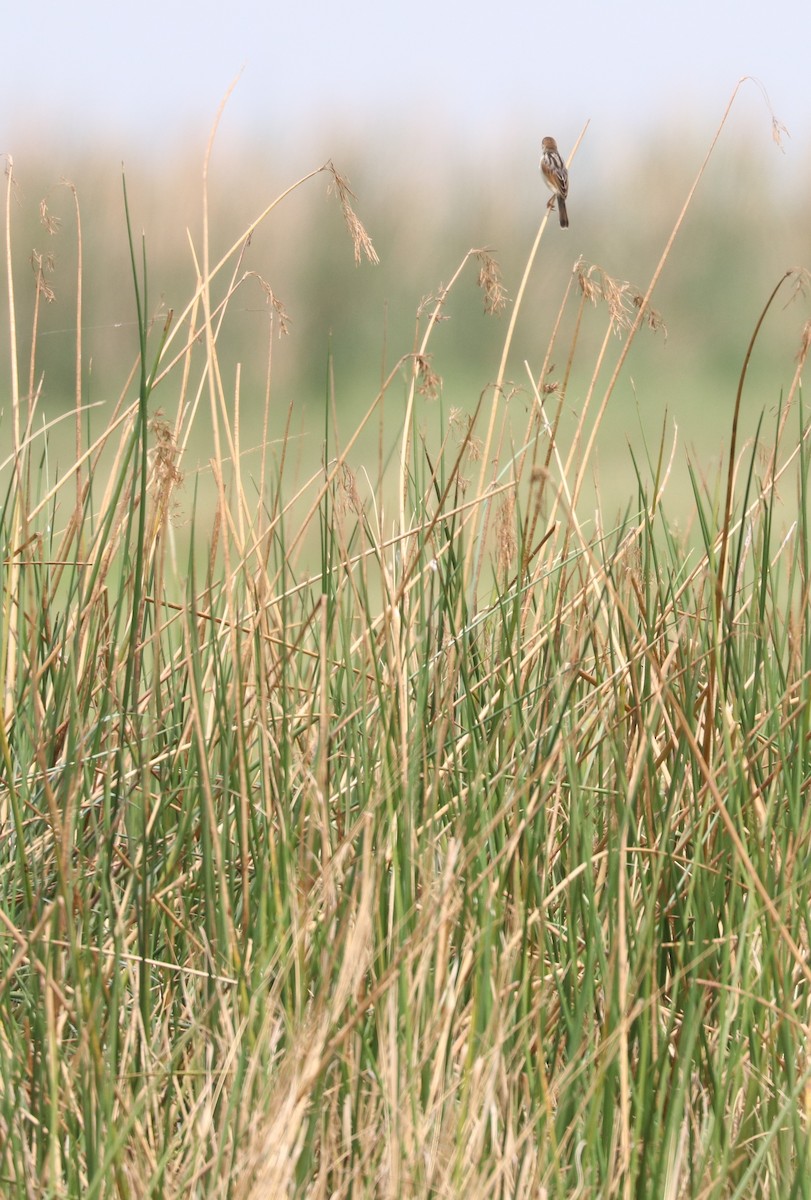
x=148 y=74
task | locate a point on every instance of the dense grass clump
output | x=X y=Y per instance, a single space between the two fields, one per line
x=406 y=831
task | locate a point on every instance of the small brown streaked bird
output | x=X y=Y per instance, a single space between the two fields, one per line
x=556 y=178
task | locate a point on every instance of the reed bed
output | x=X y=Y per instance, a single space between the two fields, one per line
x=407 y=831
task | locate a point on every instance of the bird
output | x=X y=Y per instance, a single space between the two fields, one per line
x=556 y=178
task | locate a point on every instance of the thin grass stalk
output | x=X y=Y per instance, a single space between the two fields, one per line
x=720 y=578
x=418 y=359
x=474 y=563
x=643 y=309
x=8 y=636
x=78 y=358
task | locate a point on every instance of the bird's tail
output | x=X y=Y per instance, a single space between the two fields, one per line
x=562 y=213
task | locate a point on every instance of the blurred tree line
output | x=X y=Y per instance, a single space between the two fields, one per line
x=423 y=207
